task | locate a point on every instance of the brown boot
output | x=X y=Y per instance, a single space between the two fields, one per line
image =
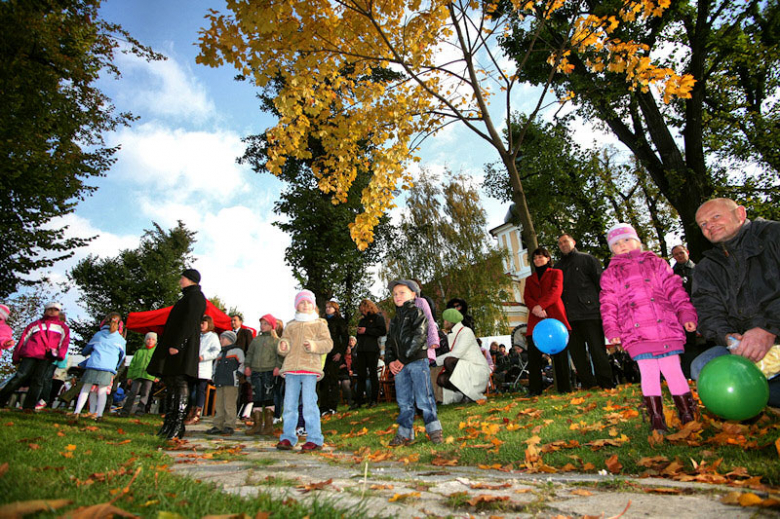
x=268 y=422
x=257 y=417
x=190 y=414
x=194 y=417
x=686 y=407
x=655 y=410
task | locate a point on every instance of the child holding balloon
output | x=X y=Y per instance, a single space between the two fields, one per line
x=646 y=309
x=542 y=296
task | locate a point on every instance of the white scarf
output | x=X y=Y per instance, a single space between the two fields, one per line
x=306 y=317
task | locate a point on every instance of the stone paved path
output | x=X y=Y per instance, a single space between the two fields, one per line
x=392 y=489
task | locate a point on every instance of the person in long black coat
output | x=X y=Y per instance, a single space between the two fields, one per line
x=369 y=329
x=329 y=385
x=176 y=358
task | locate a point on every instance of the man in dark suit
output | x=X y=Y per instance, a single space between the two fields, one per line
x=244 y=335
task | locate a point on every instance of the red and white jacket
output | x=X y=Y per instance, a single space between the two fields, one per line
x=46 y=334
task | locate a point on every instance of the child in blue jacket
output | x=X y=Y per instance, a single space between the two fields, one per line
x=106 y=352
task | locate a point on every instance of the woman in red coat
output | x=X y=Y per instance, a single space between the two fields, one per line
x=542 y=296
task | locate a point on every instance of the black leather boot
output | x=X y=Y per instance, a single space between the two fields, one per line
x=165 y=430
x=655 y=410
x=179 y=413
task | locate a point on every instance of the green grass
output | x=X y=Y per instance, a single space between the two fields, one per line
x=573 y=420
x=91 y=463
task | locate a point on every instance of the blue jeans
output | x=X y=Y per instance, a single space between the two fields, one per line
x=413 y=386
x=716 y=351
x=304 y=386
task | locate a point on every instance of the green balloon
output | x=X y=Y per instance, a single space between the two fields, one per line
x=733 y=388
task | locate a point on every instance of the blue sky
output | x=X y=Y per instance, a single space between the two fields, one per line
x=178 y=162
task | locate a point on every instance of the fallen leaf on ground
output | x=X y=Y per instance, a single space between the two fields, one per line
x=22 y=508
x=308 y=487
x=404 y=497
x=380 y=487
x=487 y=486
x=3 y=469
x=662 y=490
x=581 y=492
x=485 y=499
x=613 y=465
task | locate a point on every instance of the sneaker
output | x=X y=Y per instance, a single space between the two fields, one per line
x=437 y=437
x=227 y=431
x=300 y=431
x=310 y=446
x=398 y=441
x=326 y=412
x=284 y=445
x=277 y=420
x=40 y=405
x=214 y=430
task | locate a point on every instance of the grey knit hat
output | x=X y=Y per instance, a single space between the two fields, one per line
x=229 y=335
x=408 y=283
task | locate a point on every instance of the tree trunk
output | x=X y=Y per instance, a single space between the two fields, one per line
x=521 y=204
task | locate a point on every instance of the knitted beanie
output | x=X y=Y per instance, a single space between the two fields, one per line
x=620 y=231
x=229 y=335
x=53 y=304
x=192 y=274
x=270 y=319
x=151 y=335
x=305 y=295
x=408 y=283
x=452 y=315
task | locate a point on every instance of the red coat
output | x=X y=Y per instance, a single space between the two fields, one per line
x=547 y=294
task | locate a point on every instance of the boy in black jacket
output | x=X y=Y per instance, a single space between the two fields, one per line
x=406 y=356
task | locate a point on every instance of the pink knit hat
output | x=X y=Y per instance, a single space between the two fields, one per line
x=4 y=312
x=270 y=319
x=305 y=295
x=620 y=231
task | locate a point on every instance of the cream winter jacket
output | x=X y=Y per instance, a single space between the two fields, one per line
x=296 y=358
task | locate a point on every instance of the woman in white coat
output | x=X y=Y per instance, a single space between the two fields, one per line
x=466 y=371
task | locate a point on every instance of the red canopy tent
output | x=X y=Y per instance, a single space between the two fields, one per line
x=154 y=320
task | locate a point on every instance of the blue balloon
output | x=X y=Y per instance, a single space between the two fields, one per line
x=550 y=336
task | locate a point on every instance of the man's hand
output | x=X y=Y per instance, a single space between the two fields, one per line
x=395 y=367
x=690 y=326
x=173 y=351
x=361 y=329
x=337 y=357
x=754 y=343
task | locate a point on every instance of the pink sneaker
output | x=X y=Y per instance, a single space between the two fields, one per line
x=40 y=405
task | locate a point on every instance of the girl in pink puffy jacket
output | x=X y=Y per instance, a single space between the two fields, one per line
x=645 y=308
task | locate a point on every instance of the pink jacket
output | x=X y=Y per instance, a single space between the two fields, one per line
x=45 y=334
x=644 y=303
x=6 y=334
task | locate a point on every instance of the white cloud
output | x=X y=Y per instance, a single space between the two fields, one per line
x=182 y=163
x=170 y=89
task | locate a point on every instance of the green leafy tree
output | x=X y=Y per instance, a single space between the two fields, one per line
x=709 y=40
x=54 y=118
x=442 y=242
x=135 y=280
x=582 y=192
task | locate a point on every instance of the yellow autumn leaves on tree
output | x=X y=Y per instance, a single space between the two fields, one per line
x=325 y=55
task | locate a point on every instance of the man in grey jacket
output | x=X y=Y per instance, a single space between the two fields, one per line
x=736 y=287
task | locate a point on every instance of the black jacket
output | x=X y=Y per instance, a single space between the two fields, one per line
x=375 y=328
x=685 y=271
x=581 y=285
x=337 y=327
x=244 y=338
x=736 y=286
x=407 y=339
x=182 y=331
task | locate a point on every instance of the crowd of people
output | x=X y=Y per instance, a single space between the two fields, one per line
x=298 y=372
